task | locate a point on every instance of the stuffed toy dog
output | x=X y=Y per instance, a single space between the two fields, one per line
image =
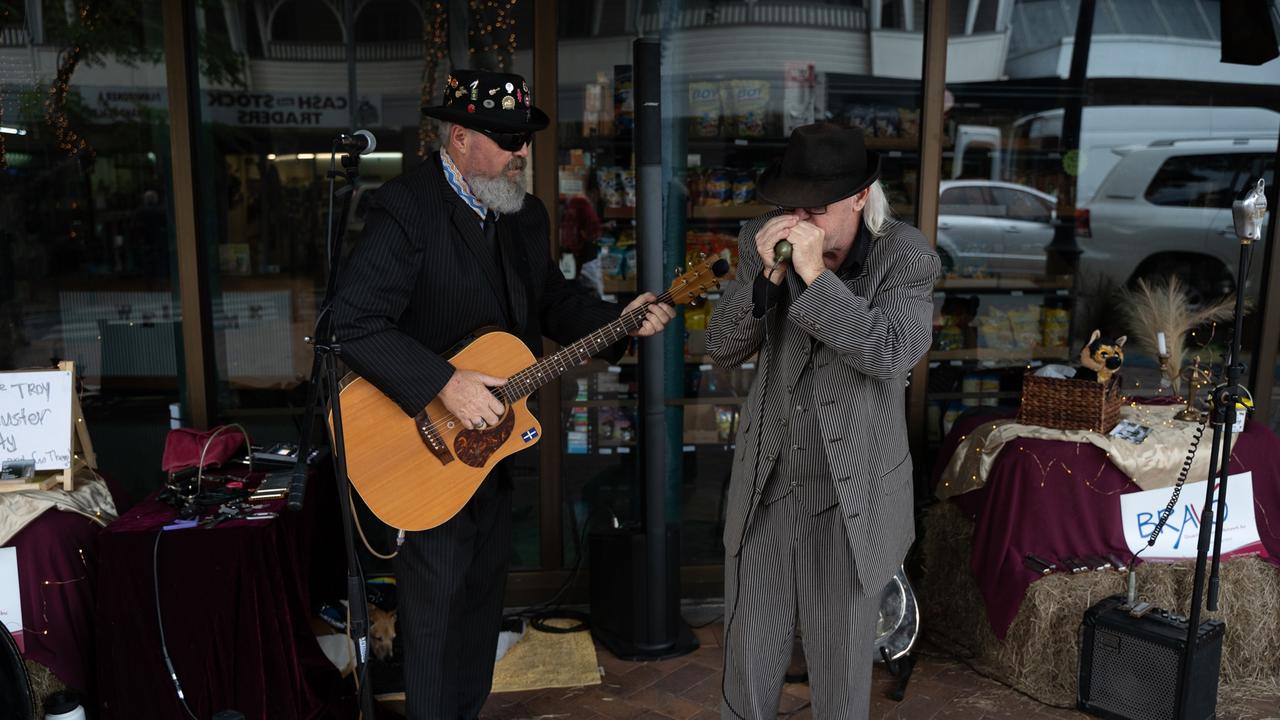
x=1101 y=357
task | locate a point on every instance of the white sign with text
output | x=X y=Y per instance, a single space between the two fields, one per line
x=1140 y=512
x=35 y=418
x=10 y=597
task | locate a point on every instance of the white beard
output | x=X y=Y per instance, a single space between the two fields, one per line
x=500 y=194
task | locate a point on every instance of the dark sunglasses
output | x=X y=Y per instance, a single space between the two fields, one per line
x=511 y=142
x=821 y=210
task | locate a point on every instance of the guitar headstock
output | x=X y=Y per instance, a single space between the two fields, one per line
x=700 y=279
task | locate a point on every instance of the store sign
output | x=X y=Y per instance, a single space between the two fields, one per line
x=291 y=110
x=1180 y=538
x=235 y=107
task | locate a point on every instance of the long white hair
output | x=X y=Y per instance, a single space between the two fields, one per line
x=877 y=211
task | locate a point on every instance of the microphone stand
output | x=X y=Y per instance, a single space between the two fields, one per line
x=1248 y=212
x=323 y=391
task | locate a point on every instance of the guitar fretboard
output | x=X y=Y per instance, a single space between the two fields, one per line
x=527 y=381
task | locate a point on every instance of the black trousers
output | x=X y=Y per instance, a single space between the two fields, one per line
x=450 y=582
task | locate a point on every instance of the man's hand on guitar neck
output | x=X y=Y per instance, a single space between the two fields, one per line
x=468 y=398
x=659 y=315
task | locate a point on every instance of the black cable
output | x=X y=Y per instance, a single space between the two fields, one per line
x=1177 y=488
x=164 y=647
x=712 y=621
x=766 y=366
x=538 y=614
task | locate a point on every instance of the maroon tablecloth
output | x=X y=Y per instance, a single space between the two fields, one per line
x=236 y=612
x=1056 y=498
x=57 y=561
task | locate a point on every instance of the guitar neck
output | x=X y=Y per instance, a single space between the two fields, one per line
x=527 y=381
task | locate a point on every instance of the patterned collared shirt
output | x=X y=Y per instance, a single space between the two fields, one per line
x=459 y=185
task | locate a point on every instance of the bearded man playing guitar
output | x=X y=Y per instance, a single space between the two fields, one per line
x=448 y=247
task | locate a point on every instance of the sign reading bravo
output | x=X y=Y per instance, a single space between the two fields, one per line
x=1140 y=512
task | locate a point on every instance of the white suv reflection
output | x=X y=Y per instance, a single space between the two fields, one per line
x=1165 y=209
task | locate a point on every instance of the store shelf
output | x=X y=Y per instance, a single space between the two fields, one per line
x=1019 y=354
x=700 y=212
x=613 y=402
x=1059 y=283
x=962 y=395
x=728 y=400
x=692 y=360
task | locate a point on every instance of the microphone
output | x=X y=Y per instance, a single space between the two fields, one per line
x=781 y=252
x=361 y=142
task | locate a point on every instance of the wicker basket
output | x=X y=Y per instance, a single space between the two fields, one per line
x=1070 y=404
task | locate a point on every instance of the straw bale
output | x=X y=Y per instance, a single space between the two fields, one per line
x=1040 y=653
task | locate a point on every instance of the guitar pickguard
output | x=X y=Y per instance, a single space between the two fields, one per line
x=475 y=447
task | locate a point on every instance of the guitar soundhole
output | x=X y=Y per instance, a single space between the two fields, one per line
x=475 y=447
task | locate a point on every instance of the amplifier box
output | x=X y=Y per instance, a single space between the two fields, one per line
x=1130 y=667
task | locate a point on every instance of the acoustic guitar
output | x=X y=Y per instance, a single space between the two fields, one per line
x=415 y=473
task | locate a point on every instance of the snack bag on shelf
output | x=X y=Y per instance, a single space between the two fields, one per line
x=704 y=109
x=726 y=425
x=624 y=115
x=610 y=180
x=750 y=107
x=744 y=187
x=910 y=122
x=629 y=188
x=1025 y=325
x=718 y=188
x=1055 y=326
x=887 y=122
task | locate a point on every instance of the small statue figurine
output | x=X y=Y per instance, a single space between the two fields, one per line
x=1101 y=357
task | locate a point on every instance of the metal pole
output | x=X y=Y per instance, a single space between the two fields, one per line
x=648 y=153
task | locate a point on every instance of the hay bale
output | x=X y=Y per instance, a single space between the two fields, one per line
x=43 y=683
x=1040 y=653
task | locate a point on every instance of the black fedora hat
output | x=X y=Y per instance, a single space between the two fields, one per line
x=823 y=163
x=488 y=101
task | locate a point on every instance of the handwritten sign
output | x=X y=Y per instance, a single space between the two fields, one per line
x=35 y=418
x=1180 y=538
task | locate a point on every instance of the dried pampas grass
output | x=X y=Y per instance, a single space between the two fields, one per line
x=1162 y=308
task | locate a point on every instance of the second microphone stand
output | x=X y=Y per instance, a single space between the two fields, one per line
x=323 y=393
x=1248 y=212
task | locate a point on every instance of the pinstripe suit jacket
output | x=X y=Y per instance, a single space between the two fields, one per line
x=421 y=279
x=871 y=330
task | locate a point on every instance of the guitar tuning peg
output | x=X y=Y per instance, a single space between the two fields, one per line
x=702 y=256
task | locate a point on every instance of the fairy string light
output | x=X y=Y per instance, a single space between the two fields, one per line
x=492 y=30
x=55 y=105
x=435 y=40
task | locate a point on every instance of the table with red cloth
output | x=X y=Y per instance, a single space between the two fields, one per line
x=1015 y=513
x=236 y=606
x=57 y=561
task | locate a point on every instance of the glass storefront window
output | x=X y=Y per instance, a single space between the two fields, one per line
x=87 y=256
x=736 y=79
x=266 y=143
x=1059 y=193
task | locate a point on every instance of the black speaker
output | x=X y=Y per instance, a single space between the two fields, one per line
x=619 y=605
x=1130 y=667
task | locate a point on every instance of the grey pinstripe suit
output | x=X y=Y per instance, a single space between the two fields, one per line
x=823 y=571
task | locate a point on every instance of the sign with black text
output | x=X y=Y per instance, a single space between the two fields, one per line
x=235 y=107
x=35 y=417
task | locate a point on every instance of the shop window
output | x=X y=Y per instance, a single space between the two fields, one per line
x=387 y=21
x=306 y=21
